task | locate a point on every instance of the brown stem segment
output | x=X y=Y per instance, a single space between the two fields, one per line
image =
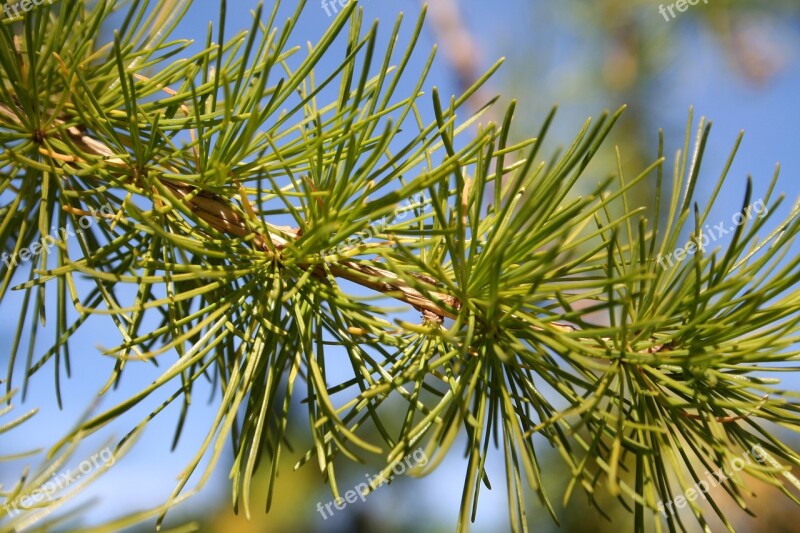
x=220 y=214
x=223 y=216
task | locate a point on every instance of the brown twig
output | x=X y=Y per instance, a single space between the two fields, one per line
x=223 y=216
x=220 y=214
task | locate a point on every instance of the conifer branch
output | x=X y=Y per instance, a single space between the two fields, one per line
x=547 y=317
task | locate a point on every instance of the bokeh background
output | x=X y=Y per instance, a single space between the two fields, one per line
x=735 y=62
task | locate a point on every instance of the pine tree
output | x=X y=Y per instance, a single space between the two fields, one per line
x=280 y=211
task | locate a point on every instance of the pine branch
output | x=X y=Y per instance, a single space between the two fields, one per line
x=233 y=193
x=220 y=214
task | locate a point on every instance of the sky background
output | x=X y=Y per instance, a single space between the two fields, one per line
x=549 y=49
